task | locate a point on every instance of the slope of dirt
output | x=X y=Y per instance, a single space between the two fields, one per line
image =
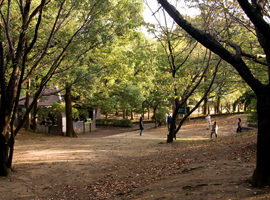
x=129 y=166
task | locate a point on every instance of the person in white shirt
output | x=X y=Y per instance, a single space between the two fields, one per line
x=208 y=119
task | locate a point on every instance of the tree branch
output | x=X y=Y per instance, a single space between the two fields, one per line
x=211 y=43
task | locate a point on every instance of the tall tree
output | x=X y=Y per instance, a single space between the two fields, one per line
x=38 y=35
x=258 y=14
x=184 y=73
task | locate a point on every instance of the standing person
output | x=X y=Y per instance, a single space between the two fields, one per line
x=214 y=129
x=141 y=125
x=239 y=127
x=168 y=120
x=208 y=119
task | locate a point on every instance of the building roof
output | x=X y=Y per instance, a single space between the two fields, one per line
x=45 y=100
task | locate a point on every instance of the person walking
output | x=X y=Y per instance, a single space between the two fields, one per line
x=168 y=120
x=214 y=129
x=239 y=126
x=141 y=125
x=208 y=119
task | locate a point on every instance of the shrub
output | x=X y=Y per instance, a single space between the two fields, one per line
x=160 y=115
x=114 y=122
x=252 y=119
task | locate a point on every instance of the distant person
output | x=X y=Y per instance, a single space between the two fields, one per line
x=141 y=125
x=49 y=122
x=169 y=120
x=214 y=129
x=208 y=119
x=239 y=127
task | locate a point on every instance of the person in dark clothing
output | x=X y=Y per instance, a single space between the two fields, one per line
x=141 y=125
x=214 y=129
x=239 y=127
x=169 y=120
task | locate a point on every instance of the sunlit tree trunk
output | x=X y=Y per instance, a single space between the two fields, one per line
x=35 y=117
x=26 y=104
x=205 y=106
x=69 y=123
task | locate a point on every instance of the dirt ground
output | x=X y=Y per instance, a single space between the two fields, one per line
x=113 y=165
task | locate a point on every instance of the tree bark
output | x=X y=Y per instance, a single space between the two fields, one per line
x=218 y=105
x=124 y=113
x=3 y=156
x=131 y=114
x=261 y=175
x=148 y=111
x=69 y=123
x=35 y=117
x=26 y=104
x=205 y=106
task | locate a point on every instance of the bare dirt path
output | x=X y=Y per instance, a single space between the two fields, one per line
x=128 y=166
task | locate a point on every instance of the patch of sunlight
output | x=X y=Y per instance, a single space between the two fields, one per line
x=197 y=138
x=47 y=162
x=47 y=152
x=192 y=139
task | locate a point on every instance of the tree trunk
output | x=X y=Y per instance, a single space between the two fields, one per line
x=205 y=106
x=3 y=156
x=26 y=104
x=261 y=175
x=35 y=117
x=218 y=104
x=124 y=113
x=245 y=107
x=148 y=111
x=4 y=136
x=131 y=114
x=127 y=113
x=69 y=123
x=155 y=108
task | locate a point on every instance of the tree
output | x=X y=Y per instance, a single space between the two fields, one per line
x=36 y=38
x=122 y=83
x=183 y=71
x=257 y=13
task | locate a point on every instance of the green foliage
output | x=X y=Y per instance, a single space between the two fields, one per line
x=160 y=115
x=114 y=122
x=56 y=108
x=42 y=112
x=252 y=119
x=249 y=99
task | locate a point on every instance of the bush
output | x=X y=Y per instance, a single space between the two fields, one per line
x=252 y=119
x=161 y=116
x=114 y=122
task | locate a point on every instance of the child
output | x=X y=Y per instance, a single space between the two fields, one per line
x=214 y=129
x=208 y=119
x=141 y=125
x=239 y=128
